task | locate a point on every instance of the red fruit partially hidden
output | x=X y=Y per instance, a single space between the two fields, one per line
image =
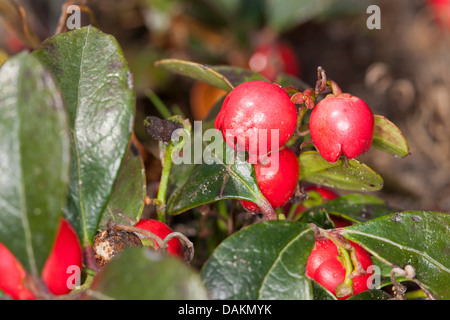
x=324 y=267
x=259 y=115
x=441 y=13
x=12 y=276
x=341 y=125
x=174 y=246
x=63 y=266
x=277 y=182
x=274 y=58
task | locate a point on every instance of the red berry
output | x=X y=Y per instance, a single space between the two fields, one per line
x=324 y=266
x=340 y=222
x=12 y=276
x=327 y=194
x=259 y=115
x=160 y=229
x=341 y=124
x=441 y=13
x=271 y=59
x=277 y=182
x=66 y=253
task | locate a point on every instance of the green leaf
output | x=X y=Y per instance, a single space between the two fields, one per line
x=417 y=238
x=357 y=176
x=92 y=72
x=387 y=137
x=35 y=159
x=262 y=261
x=237 y=75
x=319 y=217
x=218 y=177
x=287 y=80
x=142 y=274
x=285 y=14
x=321 y=293
x=196 y=71
x=355 y=207
x=127 y=198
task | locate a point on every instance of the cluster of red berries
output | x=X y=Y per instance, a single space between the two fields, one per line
x=259 y=117
x=340 y=125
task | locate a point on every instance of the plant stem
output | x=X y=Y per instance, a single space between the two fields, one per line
x=292 y=210
x=161 y=198
x=334 y=87
x=159 y=105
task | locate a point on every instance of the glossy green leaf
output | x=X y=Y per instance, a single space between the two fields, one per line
x=217 y=177
x=417 y=238
x=195 y=71
x=321 y=293
x=34 y=159
x=92 y=72
x=142 y=274
x=127 y=199
x=355 y=207
x=356 y=176
x=387 y=137
x=262 y=261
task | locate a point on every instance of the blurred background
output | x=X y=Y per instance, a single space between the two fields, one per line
x=401 y=69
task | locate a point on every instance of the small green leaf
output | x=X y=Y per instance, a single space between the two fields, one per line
x=237 y=75
x=196 y=71
x=319 y=217
x=287 y=80
x=387 y=137
x=143 y=274
x=218 y=177
x=35 y=159
x=357 y=176
x=127 y=198
x=91 y=70
x=355 y=207
x=262 y=261
x=417 y=238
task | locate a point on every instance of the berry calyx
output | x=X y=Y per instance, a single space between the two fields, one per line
x=341 y=124
x=276 y=181
x=63 y=261
x=174 y=246
x=325 y=267
x=12 y=276
x=257 y=117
